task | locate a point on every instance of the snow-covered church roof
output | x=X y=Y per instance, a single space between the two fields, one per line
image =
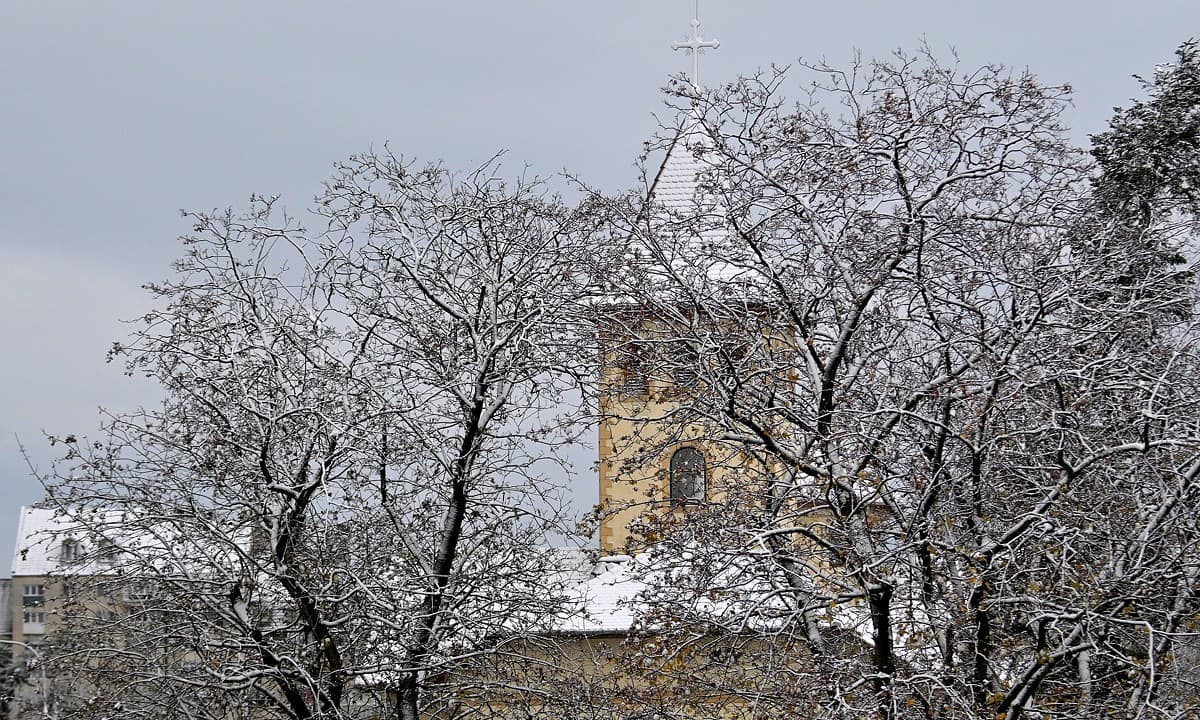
x=677 y=187
x=686 y=211
x=620 y=591
x=607 y=600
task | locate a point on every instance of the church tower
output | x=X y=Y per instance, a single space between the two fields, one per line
x=650 y=462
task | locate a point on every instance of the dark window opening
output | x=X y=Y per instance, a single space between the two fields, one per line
x=685 y=370
x=106 y=551
x=34 y=595
x=688 y=481
x=633 y=369
x=33 y=617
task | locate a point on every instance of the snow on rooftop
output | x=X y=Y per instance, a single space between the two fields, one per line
x=614 y=598
x=688 y=218
x=96 y=541
x=607 y=599
x=50 y=541
x=38 y=550
x=677 y=187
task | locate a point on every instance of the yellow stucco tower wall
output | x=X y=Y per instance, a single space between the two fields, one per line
x=643 y=430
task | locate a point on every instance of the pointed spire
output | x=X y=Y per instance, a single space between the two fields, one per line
x=696 y=45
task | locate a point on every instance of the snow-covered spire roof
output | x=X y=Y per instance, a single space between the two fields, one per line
x=677 y=186
x=686 y=210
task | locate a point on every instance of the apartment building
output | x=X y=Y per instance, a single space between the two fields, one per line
x=35 y=559
x=50 y=551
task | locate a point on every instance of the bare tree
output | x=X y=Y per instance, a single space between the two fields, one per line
x=347 y=491
x=943 y=481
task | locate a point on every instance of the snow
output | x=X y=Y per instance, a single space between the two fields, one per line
x=43 y=534
x=39 y=541
x=677 y=186
x=607 y=600
x=605 y=594
x=612 y=599
x=678 y=198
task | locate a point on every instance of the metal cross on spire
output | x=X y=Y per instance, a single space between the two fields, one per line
x=696 y=45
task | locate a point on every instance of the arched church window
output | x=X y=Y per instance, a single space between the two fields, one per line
x=688 y=481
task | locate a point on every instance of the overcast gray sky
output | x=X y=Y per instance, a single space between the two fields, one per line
x=115 y=115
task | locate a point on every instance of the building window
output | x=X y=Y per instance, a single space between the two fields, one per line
x=139 y=591
x=633 y=370
x=688 y=482
x=34 y=596
x=106 y=551
x=685 y=365
x=34 y=617
x=70 y=550
x=106 y=615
